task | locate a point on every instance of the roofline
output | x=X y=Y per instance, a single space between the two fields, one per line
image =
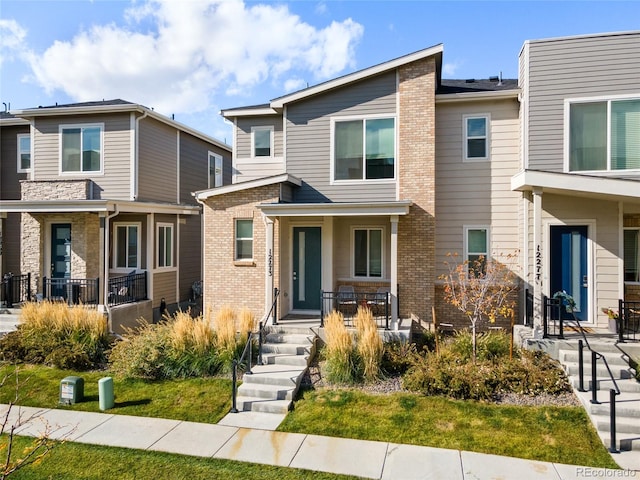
x=237 y=112
x=477 y=96
x=237 y=187
x=13 y=121
x=94 y=206
x=336 y=209
x=584 y=35
x=120 y=108
x=359 y=75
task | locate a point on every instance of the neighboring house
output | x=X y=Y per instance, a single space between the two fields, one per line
x=580 y=173
x=96 y=204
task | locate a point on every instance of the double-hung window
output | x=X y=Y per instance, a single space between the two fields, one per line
x=632 y=255
x=476 y=137
x=24 y=152
x=127 y=245
x=262 y=141
x=476 y=247
x=367 y=252
x=244 y=239
x=604 y=135
x=164 y=244
x=364 y=149
x=215 y=170
x=81 y=148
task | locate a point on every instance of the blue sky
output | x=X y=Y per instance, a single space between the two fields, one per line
x=192 y=58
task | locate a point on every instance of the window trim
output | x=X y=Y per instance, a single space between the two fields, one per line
x=81 y=126
x=216 y=158
x=466 y=137
x=332 y=154
x=19 y=136
x=236 y=239
x=171 y=227
x=467 y=229
x=117 y=225
x=254 y=129
x=567 y=131
x=631 y=282
x=352 y=252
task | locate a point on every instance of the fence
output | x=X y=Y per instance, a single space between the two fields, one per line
x=73 y=291
x=127 y=289
x=628 y=323
x=15 y=289
x=347 y=303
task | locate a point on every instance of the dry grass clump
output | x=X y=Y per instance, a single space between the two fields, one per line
x=194 y=334
x=339 y=350
x=369 y=344
x=246 y=324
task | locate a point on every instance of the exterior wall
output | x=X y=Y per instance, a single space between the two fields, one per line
x=114 y=182
x=164 y=286
x=157 y=162
x=227 y=282
x=416 y=231
x=9 y=176
x=632 y=290
x=194 y=166
x=57 y=190
x=243 y=135
x=308 y=144
x=144 y=235
x=11 y=248
x=190 y=253
x=599 y=65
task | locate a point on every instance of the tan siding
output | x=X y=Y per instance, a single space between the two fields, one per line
x=194 y=166
x=190 y=258
x=157 y=178
x=164 y=286
x=11 y=248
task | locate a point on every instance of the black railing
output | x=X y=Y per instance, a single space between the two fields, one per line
x=347 y=303
x=552 y=321
x=528 y=308
x=15 y=289
x=73 y=291
x=628 y=323
x=127 y=289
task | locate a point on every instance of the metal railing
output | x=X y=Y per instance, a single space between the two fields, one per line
x=628 y=323
x=127 y=289
x=347 y=303
x=73 y=291
x=15 y=289
x=528 y=308
x=552 y=321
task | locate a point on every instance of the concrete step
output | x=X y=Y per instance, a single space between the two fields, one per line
x=623 y=409
x=288 y=329
x=256 y=404
x=571 y=357
x=297 y=338
x=604 y=384
x=283 y=375
x=618 y=371
x=287 y=348
x=270 y=392
x=624 y=425
x=285 y=359
x=625 y=443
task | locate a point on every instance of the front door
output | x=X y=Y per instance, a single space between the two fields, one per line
x=307 y=262
x=60 y=257
x=569 y=266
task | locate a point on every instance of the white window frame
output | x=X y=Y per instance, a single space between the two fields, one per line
x=162 y=248
x=236 y=239
x=631 y=282
x=116 y=246
x=364 y=118
x=486 y=137
x=567 y=131
x=81 y=126
x=19 y=137
x=467 y=229
x=271 y=142
x=352 y=253
x=217 y=177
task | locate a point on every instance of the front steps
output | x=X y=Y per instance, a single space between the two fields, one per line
x=9 y=319
x=271 y=387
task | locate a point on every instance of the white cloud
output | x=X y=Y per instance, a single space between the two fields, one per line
x=11 y=39
x=450 y=69
x=192 y=50
x=294 y=84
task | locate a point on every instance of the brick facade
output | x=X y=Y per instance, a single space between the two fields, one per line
x=416 y=231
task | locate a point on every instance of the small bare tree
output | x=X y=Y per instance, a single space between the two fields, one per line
x=482 y=289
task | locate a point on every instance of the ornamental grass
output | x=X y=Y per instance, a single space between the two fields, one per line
x=369 y=344
x=339 y=350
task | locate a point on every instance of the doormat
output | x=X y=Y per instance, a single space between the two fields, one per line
x=576 y=329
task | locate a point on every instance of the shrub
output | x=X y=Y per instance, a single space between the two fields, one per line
x=368 y=343
x=143 y=352
x=397 y=357
x=490 y=345
x=72 y=337
x=339 y=351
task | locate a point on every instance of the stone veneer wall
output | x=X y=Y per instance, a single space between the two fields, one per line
x=56 y=189
x=416 y=231
x=227 y=282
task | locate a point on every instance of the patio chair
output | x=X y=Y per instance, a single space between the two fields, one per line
x=379 y=301
x=346 y=298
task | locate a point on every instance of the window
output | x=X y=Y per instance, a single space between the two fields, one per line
x=632 y=255
x=24 y=152
x=476 y=246
x=127 y=242
x=164 y=244
x=364 y=149
x=367 y=252
x=244 y=239
x=262 y=141
x=476 y=137
x=81 y=148
x=215 y=170
x=604 y=135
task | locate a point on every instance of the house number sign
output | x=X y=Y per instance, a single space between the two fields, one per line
x=538 y=264
x=270 y=265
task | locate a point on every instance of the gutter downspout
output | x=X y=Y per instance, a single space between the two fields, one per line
x=202 y=256
x=136 y=160
x=105 y=283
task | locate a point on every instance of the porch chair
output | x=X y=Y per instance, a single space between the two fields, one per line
x=346 y=299
x=379 y=300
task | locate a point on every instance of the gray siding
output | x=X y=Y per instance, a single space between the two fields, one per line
x=115 y=181
x=9 y=176
x=11 y=248
x=190 y=266
x=243 y=134
x=157 y=160
x=308 y=143
x=573 y=68
x=194 y=166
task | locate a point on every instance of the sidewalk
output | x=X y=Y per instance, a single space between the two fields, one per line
x=377 y=460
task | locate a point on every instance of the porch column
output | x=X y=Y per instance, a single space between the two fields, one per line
x=3 y=215
x=538 y=261
x=394 y=272
x=269 y=272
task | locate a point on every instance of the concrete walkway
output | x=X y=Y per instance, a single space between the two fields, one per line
x=362 y=458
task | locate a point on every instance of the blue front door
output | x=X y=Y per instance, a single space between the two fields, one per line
x=307 y=263
x=60 y=257
x=569 y=266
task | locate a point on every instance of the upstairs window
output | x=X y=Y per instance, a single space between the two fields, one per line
x=127 y=245
x=476 y=137
x=262 y=141
x=604 y=135
x=24 y=152
x=364 y=149
x=632 y=255
x=81 y=148
x=164 y=244
x=215 y=170
x=476 y=248
x=367 y=252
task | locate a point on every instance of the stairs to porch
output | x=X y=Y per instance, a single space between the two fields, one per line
x=9 y=319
